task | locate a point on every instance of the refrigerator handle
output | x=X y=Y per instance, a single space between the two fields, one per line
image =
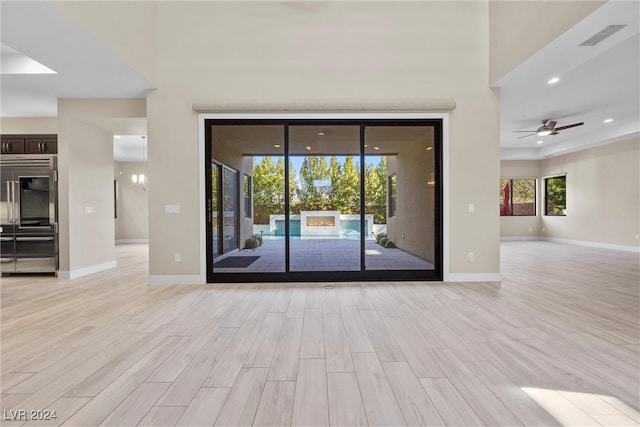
x=9 y=202
x=16 y=208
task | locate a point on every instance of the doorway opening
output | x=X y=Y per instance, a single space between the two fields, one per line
x=316 y=200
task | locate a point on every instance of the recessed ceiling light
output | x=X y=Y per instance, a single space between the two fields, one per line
x=429 y=148
x=376 y=148
x=308 y=147
x=276 y=145
x=117 y=136
x=539 y=142
x=553 y=80
x=608 y=120
x=321 y=133
x=365 y=145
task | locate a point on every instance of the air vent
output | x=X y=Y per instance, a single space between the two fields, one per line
x=598 y=37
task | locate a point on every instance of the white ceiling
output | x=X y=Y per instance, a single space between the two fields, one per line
x=595 y=82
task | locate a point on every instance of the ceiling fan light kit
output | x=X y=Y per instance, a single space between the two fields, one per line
x=548 y=128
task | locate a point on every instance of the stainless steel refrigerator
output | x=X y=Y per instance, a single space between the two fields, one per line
x=28 y=214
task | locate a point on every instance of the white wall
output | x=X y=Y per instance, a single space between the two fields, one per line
x=603 y=195
x=85 y=164
x=29 y=125
x=132 y=223
x=286 y=56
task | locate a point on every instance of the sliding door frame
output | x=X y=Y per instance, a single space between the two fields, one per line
x=437 y=121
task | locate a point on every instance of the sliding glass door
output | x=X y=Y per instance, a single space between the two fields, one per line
x=324 y=200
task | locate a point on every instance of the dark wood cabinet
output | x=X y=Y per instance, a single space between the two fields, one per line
x=12 y=145
x=29 y=144
x=41 y=146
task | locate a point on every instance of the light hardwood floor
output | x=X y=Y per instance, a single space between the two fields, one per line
x=556 y=343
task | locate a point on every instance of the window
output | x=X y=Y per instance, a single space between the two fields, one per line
x=392 y=195
x=518 y=197
x=247 y=196
x=555 y=195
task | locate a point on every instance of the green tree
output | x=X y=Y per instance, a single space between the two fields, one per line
x=314 y=184
x=556 y=195
x=268 y=189
x=345 y=187
x=375 y=190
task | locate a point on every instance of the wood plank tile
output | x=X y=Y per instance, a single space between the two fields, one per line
x=479 y=397
x=310 y=406
x=384 y=344
x=240 y=407
x=338 y=354
x=186 y=386
x=224 y=373
x=312 y=344
x=345 y=401
x=204 y=408
x=414 y=402
x=64 y=408
x=276 y=404
x=380 y=404
x=359 y=340
x=162 y=416
x=284 y=366
x=103 y=405
x=134 y=408
x=511 y=395
x=451 y=406
x=261 y=352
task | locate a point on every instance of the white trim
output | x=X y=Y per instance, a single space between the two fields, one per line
x=519 y=238
x=85 y=271
x=202 y=278
x=132 y=242
x=625 y=248
x=328 y=116
x=176 y=280
x=474 y=277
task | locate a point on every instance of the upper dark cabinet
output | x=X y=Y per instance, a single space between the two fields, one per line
x=12 y=145
x=45 y=145
x=29 y=144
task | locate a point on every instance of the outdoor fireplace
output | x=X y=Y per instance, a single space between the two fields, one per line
x=321 y=221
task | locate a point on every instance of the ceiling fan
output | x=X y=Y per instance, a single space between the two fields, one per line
x=548 y=128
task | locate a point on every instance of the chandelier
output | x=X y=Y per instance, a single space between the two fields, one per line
x=141 y=178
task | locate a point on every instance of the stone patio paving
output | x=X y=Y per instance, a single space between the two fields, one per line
x=326 y=255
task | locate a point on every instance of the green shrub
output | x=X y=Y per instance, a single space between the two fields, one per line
x=380 y=236
x=383 y=240
x=258 y=237
x=389 y=244
x=251 y=243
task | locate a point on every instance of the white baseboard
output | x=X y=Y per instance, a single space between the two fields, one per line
x=85 y=271
x=625 y=248
x=519 y=238
x=472 y=277
x=177 y=280
x=132 y=242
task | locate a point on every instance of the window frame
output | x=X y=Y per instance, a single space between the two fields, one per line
x=535 y=195
x=247 y=192
x=546 y=195
x=392 y=184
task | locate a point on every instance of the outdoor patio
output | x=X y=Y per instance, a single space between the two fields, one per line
x=326 y=255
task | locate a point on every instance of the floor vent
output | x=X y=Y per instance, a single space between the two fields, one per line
x=598 y=37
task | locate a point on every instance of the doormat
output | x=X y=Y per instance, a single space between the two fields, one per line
x=235 y=262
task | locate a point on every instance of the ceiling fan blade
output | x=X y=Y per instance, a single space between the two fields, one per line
x=531 y=131
x=569 y=126
x=552 y=124
x=525 y=136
